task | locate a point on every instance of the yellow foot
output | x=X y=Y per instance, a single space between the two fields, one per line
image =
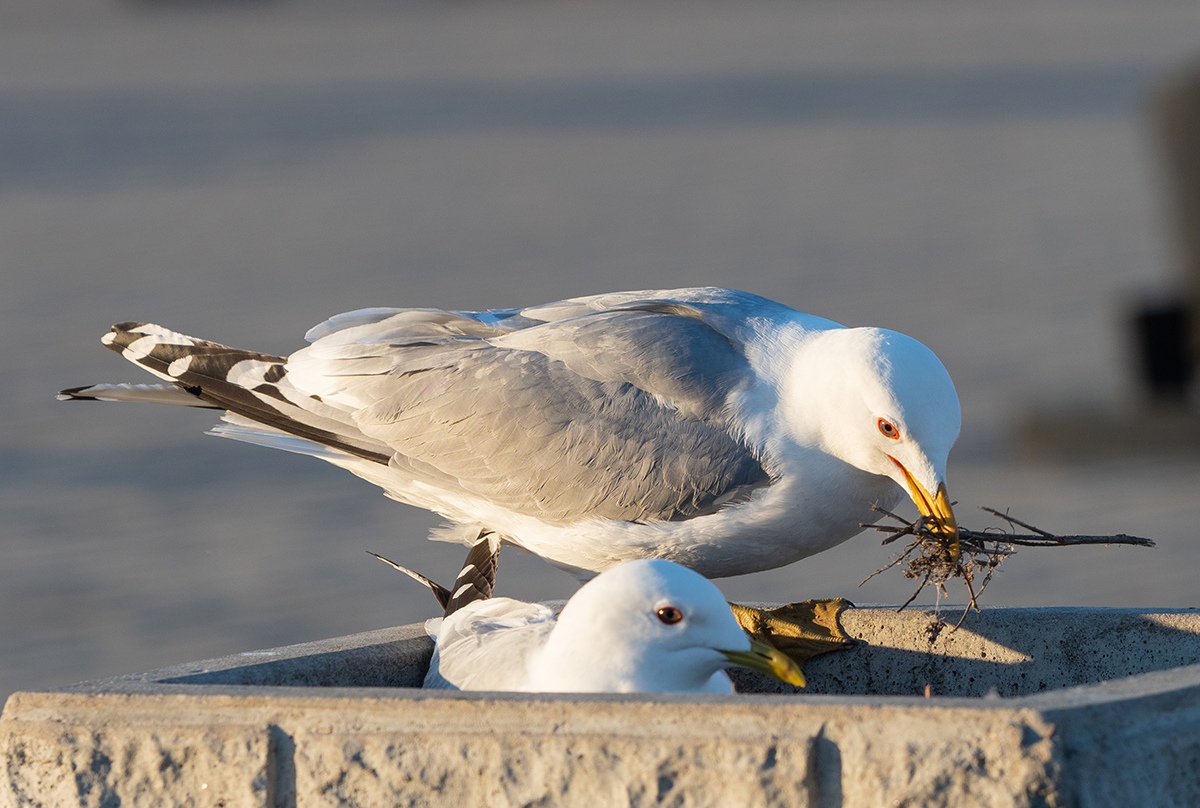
x=801 y=630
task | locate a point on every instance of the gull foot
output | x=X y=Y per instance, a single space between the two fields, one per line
x=800 y=630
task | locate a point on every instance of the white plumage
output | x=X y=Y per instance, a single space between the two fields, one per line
x=647 y=626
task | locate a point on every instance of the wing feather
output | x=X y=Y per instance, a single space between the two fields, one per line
x=489 y=645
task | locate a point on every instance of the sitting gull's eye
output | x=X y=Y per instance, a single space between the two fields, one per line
x=669 y=615
x=887 y=429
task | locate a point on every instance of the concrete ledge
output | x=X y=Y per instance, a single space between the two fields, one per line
x=1105 y=710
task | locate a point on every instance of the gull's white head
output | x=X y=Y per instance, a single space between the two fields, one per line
x=884 y=403
x=650 y=626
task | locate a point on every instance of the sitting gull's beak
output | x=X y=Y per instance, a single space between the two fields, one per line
x=936 y=507
x=765 y=659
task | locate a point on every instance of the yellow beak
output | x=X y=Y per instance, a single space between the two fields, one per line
x=771 y=661
x=936 y=507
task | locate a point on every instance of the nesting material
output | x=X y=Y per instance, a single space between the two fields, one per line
x=932 y=557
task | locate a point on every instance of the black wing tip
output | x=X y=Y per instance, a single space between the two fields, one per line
x=74 y=394
x=440 y=592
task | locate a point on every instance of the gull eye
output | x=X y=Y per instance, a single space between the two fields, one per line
x=887 y=429
x=669 y=615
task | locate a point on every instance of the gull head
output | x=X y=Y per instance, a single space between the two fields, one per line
x=883 y=403
x=651 y=626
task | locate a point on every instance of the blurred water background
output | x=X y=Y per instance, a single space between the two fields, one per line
x=980 y=175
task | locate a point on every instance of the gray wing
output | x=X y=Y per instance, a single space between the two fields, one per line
x=617 y=413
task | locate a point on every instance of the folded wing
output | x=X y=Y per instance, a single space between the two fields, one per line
x=613 y=407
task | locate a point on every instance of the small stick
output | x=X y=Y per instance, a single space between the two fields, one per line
x=971 y=605
x=906 y=528
x=1052 y=540
x=1012 y=520
x=906 y=531
x=904 y=605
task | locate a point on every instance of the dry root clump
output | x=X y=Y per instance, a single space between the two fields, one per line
x=929 y=556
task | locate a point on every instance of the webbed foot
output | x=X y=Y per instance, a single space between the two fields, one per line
x=801 y=630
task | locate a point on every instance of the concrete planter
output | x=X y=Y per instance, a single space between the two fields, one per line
x=1070 y=707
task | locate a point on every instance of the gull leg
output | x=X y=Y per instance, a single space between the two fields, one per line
x=800 y=630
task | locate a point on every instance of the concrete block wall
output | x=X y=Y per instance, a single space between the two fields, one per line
x=1030 y=707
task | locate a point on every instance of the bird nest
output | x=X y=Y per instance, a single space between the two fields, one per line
x=931 y=558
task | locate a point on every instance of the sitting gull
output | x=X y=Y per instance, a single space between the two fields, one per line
x=710 y=427
x=646 y=626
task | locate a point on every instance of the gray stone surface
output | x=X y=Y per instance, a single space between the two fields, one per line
x=1008 y=651
x=1106 y=713
x=386 y=748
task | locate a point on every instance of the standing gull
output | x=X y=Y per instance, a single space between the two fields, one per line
x=711 y=427
x=646 y=626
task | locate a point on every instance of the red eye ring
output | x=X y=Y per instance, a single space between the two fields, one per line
x=669 y=615
x=888 y=429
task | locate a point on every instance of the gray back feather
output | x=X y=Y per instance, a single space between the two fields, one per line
x=614 y=414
